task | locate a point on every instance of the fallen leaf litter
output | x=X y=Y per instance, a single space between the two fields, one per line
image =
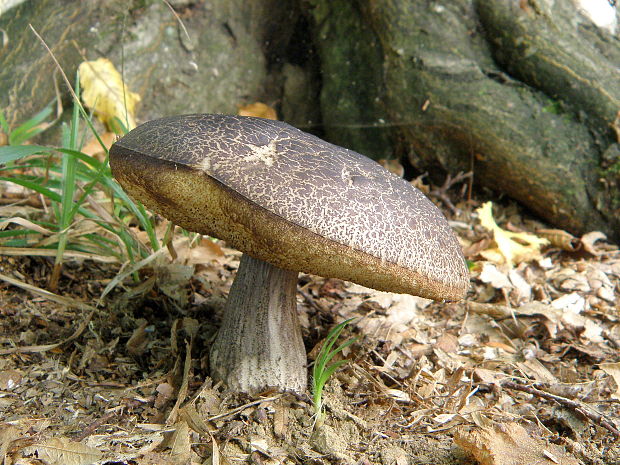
x=533 y=354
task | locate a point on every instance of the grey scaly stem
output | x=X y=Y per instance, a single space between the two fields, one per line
x=259 y=345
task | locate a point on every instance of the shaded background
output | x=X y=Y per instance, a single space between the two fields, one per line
x=525 y=95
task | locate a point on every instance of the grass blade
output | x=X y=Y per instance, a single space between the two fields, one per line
x=30 y=128
x=322 y=369
x=10 y=153
x=68 y=183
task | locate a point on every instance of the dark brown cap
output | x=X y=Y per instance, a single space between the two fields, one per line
x=291 y=199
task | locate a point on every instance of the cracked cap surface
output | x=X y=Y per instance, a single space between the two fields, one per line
x=293 y=200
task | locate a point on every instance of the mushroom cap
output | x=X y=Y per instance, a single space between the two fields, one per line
x=293 y=200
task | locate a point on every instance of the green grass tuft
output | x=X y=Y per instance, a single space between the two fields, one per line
x=323 y=369
x=88 y=211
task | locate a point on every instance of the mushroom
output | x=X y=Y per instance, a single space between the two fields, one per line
x=290 y=202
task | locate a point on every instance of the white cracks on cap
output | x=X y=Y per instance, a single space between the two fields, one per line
x=347 y=176
x=204 y=164
x=263 y=153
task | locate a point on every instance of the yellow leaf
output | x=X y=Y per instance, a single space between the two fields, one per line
x=104 y=91
x=259 y=110
x=526 y=247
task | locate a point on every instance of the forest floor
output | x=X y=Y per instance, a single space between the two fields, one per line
x=526 y=370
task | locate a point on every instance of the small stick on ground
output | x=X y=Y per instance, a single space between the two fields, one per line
x=241 y=408
x=578 y=406
x=442 y=192
x=310 y=300
x=90 y=429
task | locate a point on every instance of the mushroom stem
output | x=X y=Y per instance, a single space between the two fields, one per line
x=259 y=344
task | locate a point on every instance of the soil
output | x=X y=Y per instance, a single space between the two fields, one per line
x=125 y=380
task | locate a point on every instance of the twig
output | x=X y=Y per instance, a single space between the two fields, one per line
x=308 y=298
x=442 y=192
x=241 y=408
x=178 y=19
x=90 y=429
x=576 y=405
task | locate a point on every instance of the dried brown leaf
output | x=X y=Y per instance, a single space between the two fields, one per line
x=487 y=376
x=8 y=434
x=393 y=166
x=136 y=345
x=10 y=379
x=208 y=402
x=448 y=342
x=481 y=420
x=26 y=224
x=215 y=454
x=560 y=239
x=398 y=395
x=501 y=345
x=510 y=444
x=172 y=416
x=172 y=279
x=93 y=147
x=154 y=458
x=613 y=370
x=523 y=290
x=496 y=311
x=535 y=370
x=472 y=250
x=165 y=391
x=190 y=415
x=492 y=275
x=589 y=240
x=180 y=444
x=206 y=251
x=280 y=420
x=63 y=451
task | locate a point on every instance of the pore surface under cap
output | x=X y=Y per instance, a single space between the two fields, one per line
x=283 y=174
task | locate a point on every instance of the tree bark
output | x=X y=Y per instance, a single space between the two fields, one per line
x=524 y=94
x=464 y=93
x=542 y=47
x=352 y=92
x=212 y=60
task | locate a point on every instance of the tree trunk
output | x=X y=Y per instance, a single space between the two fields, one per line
x=524 y=94
x=467 y=91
